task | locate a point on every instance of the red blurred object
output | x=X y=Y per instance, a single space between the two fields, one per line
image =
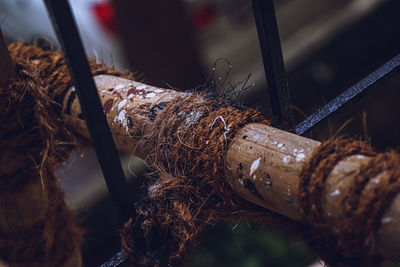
x=106 y=16
x=203 y=16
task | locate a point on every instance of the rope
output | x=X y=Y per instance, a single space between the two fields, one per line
x=350 y=239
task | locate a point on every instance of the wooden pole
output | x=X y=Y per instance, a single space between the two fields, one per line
x=263 y=163
x=281 y=156
x=19 y=211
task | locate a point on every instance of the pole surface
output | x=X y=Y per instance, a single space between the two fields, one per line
x=263 y=163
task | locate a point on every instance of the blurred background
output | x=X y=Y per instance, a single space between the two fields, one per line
x=327 y=47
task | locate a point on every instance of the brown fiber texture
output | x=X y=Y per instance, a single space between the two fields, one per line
x=33 y=134
x=187 y=191
x=32 y=131
x=351 y=239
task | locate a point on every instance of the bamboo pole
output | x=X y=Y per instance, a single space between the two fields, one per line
x=19 y=211
x=263 y=163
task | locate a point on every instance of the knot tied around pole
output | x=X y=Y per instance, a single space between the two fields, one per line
x=351 y=237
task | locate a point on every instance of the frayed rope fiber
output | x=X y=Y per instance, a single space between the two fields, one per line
x=34 y=141
x=186 y=144
x=187 y=191
x=351 y=239
x=33 y=137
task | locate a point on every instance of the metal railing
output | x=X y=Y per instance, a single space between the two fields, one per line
x=278 y=92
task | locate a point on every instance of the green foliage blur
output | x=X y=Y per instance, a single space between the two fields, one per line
x=246 y=245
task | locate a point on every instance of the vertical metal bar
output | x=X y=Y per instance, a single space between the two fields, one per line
x=270 y=44
x=71 y=44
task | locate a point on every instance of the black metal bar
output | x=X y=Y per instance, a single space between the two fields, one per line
x=352 y=96
x=117 y=260
x=274 y=67
x=75 y=57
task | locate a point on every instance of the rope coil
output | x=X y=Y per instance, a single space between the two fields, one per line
x=350 y=239
x=187 y=189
